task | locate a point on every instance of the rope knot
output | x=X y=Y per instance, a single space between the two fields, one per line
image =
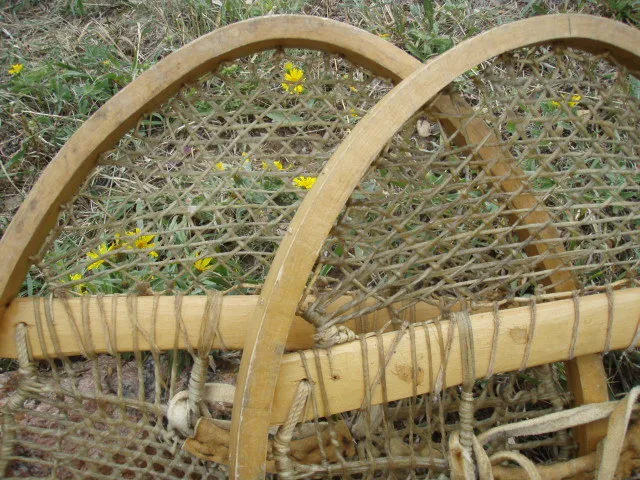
x=334 y=335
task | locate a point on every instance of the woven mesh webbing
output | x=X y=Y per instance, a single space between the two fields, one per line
x=439 y=218
x=215 y=172
x=542 y=204
x=195 y=199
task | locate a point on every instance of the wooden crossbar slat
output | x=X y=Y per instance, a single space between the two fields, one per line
x=343 y=374
x=110 y=319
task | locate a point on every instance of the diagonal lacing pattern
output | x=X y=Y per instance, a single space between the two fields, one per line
x=195 y=199
x=198 y=196
x=215 y=173
x=433 y=220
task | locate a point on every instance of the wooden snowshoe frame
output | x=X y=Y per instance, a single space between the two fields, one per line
x=275 y=310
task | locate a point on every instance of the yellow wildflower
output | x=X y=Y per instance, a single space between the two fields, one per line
x=278 y=164
x=384 y=35
x=294 y=75
x=81 y=287
x=16 y=69
x=203 y=264
x=293 y=78
x=265 y=165
x=296 y=89
x=140 y=241
x=353 y=112
x=220 y=166
x=245 y=155
x=352 y=88
x=575 y=100
x=304 y=182
x=103 y=249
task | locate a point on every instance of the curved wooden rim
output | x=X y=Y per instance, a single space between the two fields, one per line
x=299 y=249
x=66 y=172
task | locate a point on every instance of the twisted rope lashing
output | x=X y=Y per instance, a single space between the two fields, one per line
x=282 y=440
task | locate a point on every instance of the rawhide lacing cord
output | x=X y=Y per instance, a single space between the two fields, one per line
x=186 y=407
x=461 y=443
x=208 y=329
x=333 y=335
x=604 y=461
x=282 y=440
x=28 y=384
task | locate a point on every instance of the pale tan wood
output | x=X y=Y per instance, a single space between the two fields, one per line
x=311 y=225
x=588 y=381
x=73 y=318
x=38 y=214
x=551 y=341
x=63 y=176
x=61 y=179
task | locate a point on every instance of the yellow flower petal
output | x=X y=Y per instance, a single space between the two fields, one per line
x=102 y=251
x=16 y=69
x=81 y=288
x=145 y=241
x=294 y=75
x=278 y=164
x=220 y=166
x=203 y=264
x=140 y=242
x=575 y=100
x=304 y=182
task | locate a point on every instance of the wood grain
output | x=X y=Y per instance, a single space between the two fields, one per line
x=586 y=375
x=61 y=179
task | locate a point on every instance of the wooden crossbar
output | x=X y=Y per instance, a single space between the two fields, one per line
x=550 y=341
x=93 y=323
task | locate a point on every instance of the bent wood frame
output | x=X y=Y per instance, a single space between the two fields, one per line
x=66 y=172
x=299 y=249
x=62 y=178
